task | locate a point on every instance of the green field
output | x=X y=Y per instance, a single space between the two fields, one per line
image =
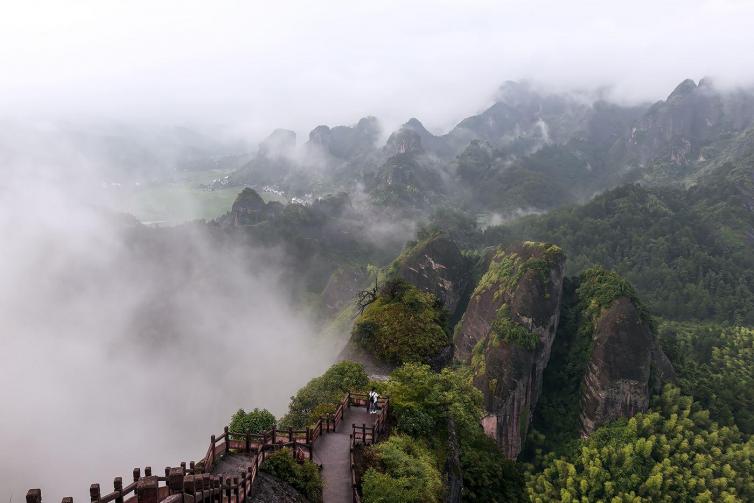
x=179 y=201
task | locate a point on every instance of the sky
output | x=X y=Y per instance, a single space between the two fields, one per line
x=253 y=66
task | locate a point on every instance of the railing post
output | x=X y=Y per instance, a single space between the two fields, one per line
x=191 y=467
x=147 y=490
x=137 y=474
x=147 y=471
x=34 y=496
x=221 y=485
x=183 y=467
x=118 y=487
x=175 y=480
x=274 y=431
x=228 y=483
x=248 y=441
x=243 y=487
x=364 y=433
x=227 y=440
x=235 y=488
x=290 y=434
x=94 y=493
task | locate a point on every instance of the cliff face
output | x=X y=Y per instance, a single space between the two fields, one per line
x=625 y=362
x=625 y=365
x=616 y=382
x=343 y=286
x=506 y=334
x=437 y=266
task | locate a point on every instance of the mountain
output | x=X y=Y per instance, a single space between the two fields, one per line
x=687 y=251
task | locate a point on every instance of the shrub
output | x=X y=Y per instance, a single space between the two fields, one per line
x=255 y=421
x=404 y=471
x=323 y=394
x=504 y=328
x=304 y=477
x=402 y=325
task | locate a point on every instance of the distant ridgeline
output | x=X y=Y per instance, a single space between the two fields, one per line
x=531 y=151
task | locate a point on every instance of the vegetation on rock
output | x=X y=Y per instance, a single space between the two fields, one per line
x=505 y=329
x=403 y=324
x=506 y=268
x=304 y=477
x=422 y=402
x=556 y=425
x=322 y=394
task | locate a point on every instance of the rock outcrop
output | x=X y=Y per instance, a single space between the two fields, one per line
x=248 y=208
x=506 y=334
x=269 y=489
x=616 y=382
x=436 y=265
x=343 y=286
x=625 y=363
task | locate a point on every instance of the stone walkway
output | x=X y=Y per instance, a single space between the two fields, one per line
x=333 y=452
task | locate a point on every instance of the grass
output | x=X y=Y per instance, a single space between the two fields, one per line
x=179 y=201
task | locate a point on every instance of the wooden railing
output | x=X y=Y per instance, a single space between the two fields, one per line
x=195 y=483
x=362 y=434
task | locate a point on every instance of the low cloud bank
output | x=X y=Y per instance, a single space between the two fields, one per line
x=127 y=346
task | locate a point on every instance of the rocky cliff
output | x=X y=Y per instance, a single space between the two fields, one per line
x=506 y=334
x=436 y=265
x=625 y=361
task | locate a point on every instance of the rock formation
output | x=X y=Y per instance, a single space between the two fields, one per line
x=436 y=265
x=506 y=334
x=625 y=361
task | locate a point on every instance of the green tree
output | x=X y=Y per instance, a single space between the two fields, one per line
x=715 y=364
x=672 y=453
x=401 y=470
x=255 y=421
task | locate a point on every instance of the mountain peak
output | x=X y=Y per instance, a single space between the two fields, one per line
x=686 y=87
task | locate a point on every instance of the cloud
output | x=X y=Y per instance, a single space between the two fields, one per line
x=127 y=346
x=292 y=64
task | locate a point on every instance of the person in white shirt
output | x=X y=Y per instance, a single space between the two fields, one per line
x=373 y=397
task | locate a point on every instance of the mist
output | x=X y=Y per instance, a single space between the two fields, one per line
x=254 y=66
x=128 y=346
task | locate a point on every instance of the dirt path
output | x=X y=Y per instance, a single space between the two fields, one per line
x=333 y=452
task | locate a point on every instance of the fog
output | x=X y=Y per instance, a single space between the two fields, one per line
x=254 y=66
x=127 y=346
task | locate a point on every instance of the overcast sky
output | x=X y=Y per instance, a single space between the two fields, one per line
x=259 y=65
